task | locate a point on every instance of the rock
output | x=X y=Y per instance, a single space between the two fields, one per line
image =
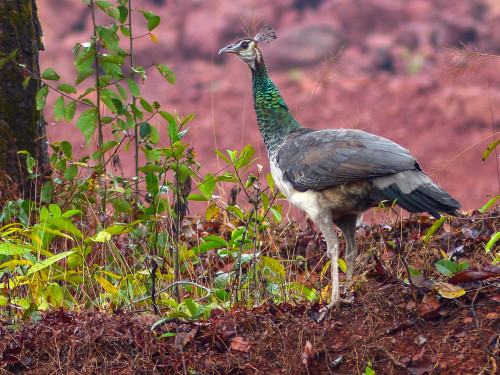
x=310 y=45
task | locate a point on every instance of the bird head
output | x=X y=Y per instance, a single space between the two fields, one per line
x=247 y=49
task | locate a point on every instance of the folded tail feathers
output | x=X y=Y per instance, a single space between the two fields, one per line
x=416 y=192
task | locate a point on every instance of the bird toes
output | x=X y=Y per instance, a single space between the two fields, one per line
x=333 y=304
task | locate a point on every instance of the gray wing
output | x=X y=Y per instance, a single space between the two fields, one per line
x=324 y=158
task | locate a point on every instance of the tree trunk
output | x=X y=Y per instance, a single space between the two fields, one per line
x=22 y=126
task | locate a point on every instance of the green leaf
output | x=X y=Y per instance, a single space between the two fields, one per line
x=106 y=146
x=97 y=155
x=47 y=262
x=490 y=203
x=137 y=111
x=186 y=119
x=245 y=157
x=209 y=184
x=68 y=89
x=220 y=241
x=47 y=192
x=270 y=182
x=166 y=73
x=84 y=56
x=490 y=148
x=145 y=104
x=150 y=168
x=107 y=119
x=64 y=225
x=265 y=200
x=191 y=306
x=87 y=123
x=13 y=249
x=109 y=37
x=55 y=293
x=112 y=11
x=121 y=124
x=67 y=148
x=121 y=91
x=130 y=120
x=438 y=224
x=26 y=81
x=134 y=89
x=144 y=130
x=154 y=135
x=120 y=229
x=103 y=5
x=210 y=244
x=222 y=156
x=125 y=31
x=492 y=241
x=446 y=267
x=343 y=265
x=275 y=266
x=13 y=53
x=152 y=184
x=50 y=74
x=277 y=215
x=167 y=334
x=71 y=172
x=197 y=197
x=41 y=98
x=173 y=131
x=414 y=272
x=84 y=75
x=102 y=236
x=153 y=20
x=120 y=108
x=3 y=62
x=107 y=97
x=69 y=112
x=123 y=13
x=87 y=91
x=59 y=108
x=112 y=70
x=71 y=213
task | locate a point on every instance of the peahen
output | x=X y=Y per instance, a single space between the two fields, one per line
x=334 y=175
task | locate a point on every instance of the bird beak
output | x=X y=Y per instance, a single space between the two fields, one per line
x=230 y=48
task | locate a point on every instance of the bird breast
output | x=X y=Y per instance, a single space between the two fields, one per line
x=307 y=201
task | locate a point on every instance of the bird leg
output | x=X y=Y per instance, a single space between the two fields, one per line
x=347 y=224
x=332 y=245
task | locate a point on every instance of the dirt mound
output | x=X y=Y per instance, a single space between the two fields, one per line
x=440 y=322
x=382 y=328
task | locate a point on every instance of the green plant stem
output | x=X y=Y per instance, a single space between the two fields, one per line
x=177 y=268
x=240 y=271
x=100 y=140
x=134 y=100
x=46 y=83
x=256 y=203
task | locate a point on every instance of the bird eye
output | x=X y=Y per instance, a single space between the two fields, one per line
x=244 y=45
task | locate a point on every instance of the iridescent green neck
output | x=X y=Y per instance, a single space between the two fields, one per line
x=275 y=120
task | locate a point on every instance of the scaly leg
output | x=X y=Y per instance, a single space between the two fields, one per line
x=325 y=224
x=347 y=224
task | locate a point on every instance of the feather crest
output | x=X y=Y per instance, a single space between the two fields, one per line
x=266 y=34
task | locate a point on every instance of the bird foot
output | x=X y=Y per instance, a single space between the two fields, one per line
x=326 y=309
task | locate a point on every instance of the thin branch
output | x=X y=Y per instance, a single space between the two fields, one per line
x=171 y=286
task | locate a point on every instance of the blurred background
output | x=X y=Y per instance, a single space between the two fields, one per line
x=399 y=74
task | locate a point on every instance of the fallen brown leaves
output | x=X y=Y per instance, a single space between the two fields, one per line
x=395 y=329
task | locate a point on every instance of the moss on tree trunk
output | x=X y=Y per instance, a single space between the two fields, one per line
x=22 y=126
